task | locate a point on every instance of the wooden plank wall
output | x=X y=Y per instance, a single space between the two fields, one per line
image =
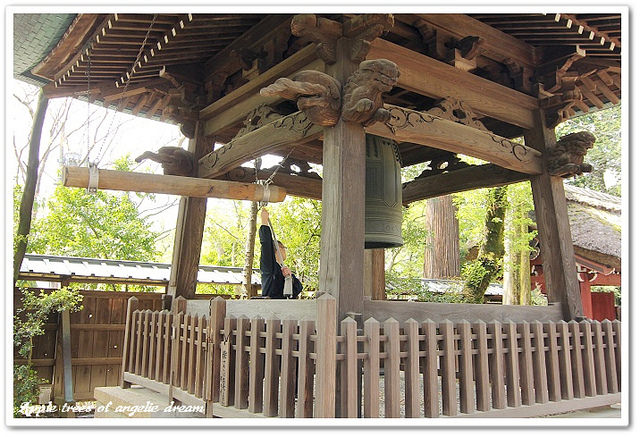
x=97 y=340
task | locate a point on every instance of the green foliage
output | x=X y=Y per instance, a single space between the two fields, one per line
x=225 y=234
x=471 y=209
x=606 y=154
x=484 y=269
x=407 y=260
x=100 y=225
x=402 y=287
x=297 y=223
x=28 y=323
x=25 y=386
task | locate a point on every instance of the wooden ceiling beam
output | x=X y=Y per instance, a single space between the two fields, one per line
x=585 y=25
x=427 y=76
x=468 y=178
x=417 y=127
x=299 y=186
x=73 y=40
x=60 y=75
x=497 y=45
x=150 y=52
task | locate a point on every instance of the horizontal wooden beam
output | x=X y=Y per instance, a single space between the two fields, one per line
x=417 y=127
x=165 y=184
x=497 y=45
x=430 y=77
x=439 y=312
x=293 y=128
x=234 y=107
x=300 y=186
x=468 y=178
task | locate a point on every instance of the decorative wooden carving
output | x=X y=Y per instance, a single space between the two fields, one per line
x=288 y=166
x=361 y=28
x=175 y=160
x=558 y=108
x=567 y=157
x=431 y=39
x=317 y=95
x=320 y=30
x=442 y=164
x=469 y=46
x=257 y=118
x=185 y=101
x=456 y=110
x=364 y=29
x=516 y=73
x=362 y=94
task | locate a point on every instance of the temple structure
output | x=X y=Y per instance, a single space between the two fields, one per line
x=313 y=88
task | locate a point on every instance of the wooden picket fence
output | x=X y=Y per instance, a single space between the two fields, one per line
x=250 y=367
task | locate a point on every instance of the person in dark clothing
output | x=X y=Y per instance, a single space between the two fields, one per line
x=271 y=269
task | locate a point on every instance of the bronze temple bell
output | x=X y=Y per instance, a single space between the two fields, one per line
x=383 y=194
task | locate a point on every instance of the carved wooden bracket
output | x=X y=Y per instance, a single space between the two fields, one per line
x=186 y=99
x=317 y=95
x=320 y=30
x=362 y=94
x=257 y=118
x=431 y=39
x=442 y=164
x=362 y=29
x=456 y=110
x=558 y=108
x=294 y=167
x=175 y=160
x=566 y=159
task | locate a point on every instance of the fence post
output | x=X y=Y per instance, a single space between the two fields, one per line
x=349 y=373
x=326 y=356
x=372 y=368
x=217 y=314
x=132 y=305
x=179 y=306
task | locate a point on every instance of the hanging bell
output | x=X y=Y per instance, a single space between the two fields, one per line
x=383 y=194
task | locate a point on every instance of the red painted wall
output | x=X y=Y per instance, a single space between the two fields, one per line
x=603 y=306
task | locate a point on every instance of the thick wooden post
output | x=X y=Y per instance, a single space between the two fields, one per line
x=189 y=229
x=343 y=189
x=552 y=219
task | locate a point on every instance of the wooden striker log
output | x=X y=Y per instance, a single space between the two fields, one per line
x=178 y=185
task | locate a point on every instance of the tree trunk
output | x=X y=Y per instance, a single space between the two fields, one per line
x=28 y=195
x=487 y=265
x=442 y=251
x=517 y=283
x=249 y=250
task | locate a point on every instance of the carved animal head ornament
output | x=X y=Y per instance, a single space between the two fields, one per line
x=317 y=95
x=362 y=94
x=174 y=160
x=566 y=159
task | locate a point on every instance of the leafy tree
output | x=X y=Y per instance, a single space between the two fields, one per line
x=99 y=225
x=517 y=280
x=605 y=155
x=28 y=323
x=486 y=267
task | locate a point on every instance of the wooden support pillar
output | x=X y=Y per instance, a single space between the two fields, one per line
x=558 y=257
x=343 y=189
x=189 y=229
x=374 y=280
x=585 y=297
